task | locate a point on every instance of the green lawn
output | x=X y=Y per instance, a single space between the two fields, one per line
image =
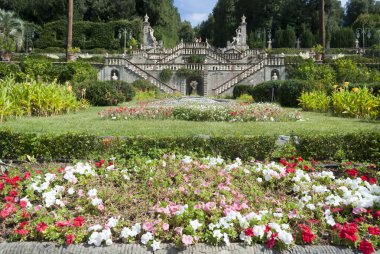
x=88 y=121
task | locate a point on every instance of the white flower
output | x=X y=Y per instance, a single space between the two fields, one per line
x=145 y=238
x=259 y=230
x=226 y=239
x=187 y=160
x=96 y=201
x=286 y=237
x=111 y=167
x=182 y=210
x=217 y=234
x=71 y=191
x=259 y=179
x=92 y=193
x=108 y=242
x=96 y=239
x=278 y=215
x=95 y=228
x=136 y=228
x=211 y=226
x=311 y=206
x=155 y=245
x=195 y=224
x=59 y=202
x=112 y=222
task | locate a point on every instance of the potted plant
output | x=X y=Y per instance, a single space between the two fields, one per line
x=318 y=50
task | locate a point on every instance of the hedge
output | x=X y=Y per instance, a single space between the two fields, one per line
x=88 y=35
x=286 y=92
x=356 y=146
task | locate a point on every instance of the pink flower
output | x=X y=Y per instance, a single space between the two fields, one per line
x=41 y=227
x=178 y=230
x=165 y=226
x=197 y=191
x=148 y=226
x=70 y=239
x=187 y=240
x=62 y=224
x=80 y=193
x=38 y=208
x=357 y=210
x=101 y=207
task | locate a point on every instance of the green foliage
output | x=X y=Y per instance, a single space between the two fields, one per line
x=317 y=101
x=78 y=71
x=145 y=95
x=322 y=74
x=88 y=35
x=126 y=89
x=343 y=38
x=348 y=71
x=307 y=37
x=362 y=146
x=12 y=29
x=144 y=85
x=166 y=75
x=196 y=59
x=103 y=93
x=39 y=68
x=290 y=90
x=35 y=99
x=359 y=103
x=184 y=73
x=7 y=69
x=240 y=90
x=245 y=98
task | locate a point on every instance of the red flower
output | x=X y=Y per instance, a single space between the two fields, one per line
x=290 y=170
x=9 y=199
x=352 y=172
x=308 y=237
x=366 y=247
x=23 y=203
x=373 y=230
x=78 y=221
x=13 y=181
x=372 y=180
x=41 y=227
x=300 y=159
x=22 y=231
x=8 y=210
x=336 y=209
x=271 y=243
x=1 y=186
x=23 y=224
x=364 y=178
x=62 y=224
x=249 y=232
x=359 y=220
x=25 y=215
x=26 y=175
x=283 y=162
x=13 y=193
x=305 y=167
x=70 y=239
x=376 y=214
x=349 y=231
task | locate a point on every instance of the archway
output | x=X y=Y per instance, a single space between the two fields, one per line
x=194 y=86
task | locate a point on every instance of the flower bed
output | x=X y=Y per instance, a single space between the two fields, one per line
x=263 y=112
x=186 y=201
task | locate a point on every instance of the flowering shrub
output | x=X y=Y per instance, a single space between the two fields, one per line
x=201 y=112
x=186 y=201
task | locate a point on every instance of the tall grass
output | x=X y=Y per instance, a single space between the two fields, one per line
x=33 y=98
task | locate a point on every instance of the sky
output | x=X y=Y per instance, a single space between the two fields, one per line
x=196 y=11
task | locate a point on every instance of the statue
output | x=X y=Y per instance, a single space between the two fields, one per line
x=193 y=85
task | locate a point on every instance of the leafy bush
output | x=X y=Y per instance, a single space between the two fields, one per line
x=245 y=98
x=144 y=85
x=317 y=101
x=78 y=71
x=348 y=71
x=266 y=92
x=356 y=146
x=166 y=74
x=8 y=69
x=290 y=90
x=103 y=93
x=126 y=89
x=239 y=90
x=40 y=68
x=35 y=99
x=359 y=103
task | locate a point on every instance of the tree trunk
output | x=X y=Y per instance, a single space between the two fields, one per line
x=69 y=54
x=322 y=32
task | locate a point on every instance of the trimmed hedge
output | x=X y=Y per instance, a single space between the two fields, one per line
x=88 y=35
x=356 y=146
x=286 y=92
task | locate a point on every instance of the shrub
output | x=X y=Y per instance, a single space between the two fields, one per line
x=348 y=71
x=359 y=103
x=290 y=90
x=166 y=75
x=239 y=90
x=144 y=85
x=266 y=92
x=40 y=68
x=246 y=98
x=343 y=38
x=8 y=69
x=126 y=89
x=35 y=99
x=78 y=71
x=102 y=93
x=315 y=101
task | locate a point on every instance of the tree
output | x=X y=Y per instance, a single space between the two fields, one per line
x=186 y=32
x=354 y=8
x=11 y=31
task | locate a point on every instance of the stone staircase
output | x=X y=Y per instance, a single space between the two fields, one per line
x=141 y=73
x=238 y=78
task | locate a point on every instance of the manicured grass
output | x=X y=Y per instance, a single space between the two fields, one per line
x=88 y=121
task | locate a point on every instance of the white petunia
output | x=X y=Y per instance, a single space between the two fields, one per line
x=217 y=234
x=95 y=228
x=92 y=193
x=145 y=238
x=195 y=224
x=156 y=245
x=71 y=191
x=112 y=222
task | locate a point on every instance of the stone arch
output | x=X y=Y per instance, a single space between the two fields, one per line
x=199 y=86
x=275 y=74
x=115 y=74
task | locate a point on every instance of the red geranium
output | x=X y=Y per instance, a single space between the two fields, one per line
x=8 y=210
x=249 y=232
x=78 y=221
x=70 y=239
x=23 y=203
x=372 y=180
x=308 y=236
x=366 y=247
x=22 y=231
x=349 y=231
x=26 y=175
x=352 y=172
x=373 y=230
x=62 y=224
x=41 y=227
x=13 y=181
x=271 y=243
